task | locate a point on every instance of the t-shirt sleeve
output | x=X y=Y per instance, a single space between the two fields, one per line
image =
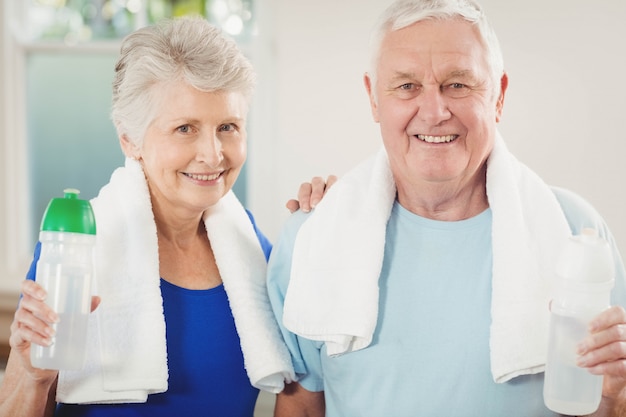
x=305 y=353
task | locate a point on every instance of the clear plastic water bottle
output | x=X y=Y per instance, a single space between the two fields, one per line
x=65 y=269
x=585 y=271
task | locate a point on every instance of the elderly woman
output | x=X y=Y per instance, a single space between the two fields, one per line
x=184 y=326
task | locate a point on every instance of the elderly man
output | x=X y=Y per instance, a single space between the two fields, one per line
x=421 y=284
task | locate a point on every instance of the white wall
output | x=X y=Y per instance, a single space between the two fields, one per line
x=564 y=112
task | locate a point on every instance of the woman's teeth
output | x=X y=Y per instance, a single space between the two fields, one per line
x=204 y=177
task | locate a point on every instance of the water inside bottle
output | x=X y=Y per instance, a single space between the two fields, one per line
x=568 y=388
x=68 y=349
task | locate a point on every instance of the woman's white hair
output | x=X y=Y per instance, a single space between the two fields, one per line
x=188 y=49
x=404 y=13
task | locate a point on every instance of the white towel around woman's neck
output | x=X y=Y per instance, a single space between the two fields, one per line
x=338 y=254
x=243 y=268
x=127 y=355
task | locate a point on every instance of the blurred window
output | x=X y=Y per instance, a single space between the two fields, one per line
x=75 y=21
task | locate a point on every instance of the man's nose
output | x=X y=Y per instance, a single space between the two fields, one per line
x=433 y=106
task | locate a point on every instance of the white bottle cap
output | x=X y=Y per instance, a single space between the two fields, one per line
x=586 y=258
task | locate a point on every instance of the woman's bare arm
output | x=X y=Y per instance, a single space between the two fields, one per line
x=23 y=394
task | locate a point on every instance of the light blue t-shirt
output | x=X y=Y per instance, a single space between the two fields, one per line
x=430 y=351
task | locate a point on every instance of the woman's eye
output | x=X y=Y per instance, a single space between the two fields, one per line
x=184 y=129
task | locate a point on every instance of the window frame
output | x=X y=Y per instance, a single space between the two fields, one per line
x=15 y=255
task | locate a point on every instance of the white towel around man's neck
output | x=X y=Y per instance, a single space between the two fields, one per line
x=338 y=254
x=127 y=355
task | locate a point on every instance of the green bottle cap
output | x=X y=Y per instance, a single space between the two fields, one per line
x=69 y=214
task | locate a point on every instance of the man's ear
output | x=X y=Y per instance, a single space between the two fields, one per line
x=372 y=96
x=128 y=147
x=504 y=83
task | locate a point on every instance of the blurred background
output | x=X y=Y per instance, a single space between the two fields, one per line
x=563 y=115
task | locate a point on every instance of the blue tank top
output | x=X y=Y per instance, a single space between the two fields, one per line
x=206 y=371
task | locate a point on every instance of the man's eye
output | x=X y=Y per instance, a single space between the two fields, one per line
x=456 y=90
x=184 y=129
x=227 y=127
x=407 y=86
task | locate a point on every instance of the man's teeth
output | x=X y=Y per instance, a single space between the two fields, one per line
x=436 y=139
x=204 y=177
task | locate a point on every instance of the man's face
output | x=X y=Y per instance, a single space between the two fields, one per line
x=437 y=104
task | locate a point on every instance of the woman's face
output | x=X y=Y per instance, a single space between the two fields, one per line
x=193 y=149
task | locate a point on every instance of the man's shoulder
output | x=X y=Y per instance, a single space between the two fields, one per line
x=293 y=223
x=579 y=212
x=283 y=248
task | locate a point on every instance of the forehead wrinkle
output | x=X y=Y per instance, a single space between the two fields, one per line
x=403 y=75
x=411 y=75
x=461 y=73
x=464 y=74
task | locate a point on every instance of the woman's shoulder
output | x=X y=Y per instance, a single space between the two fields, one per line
x=266 y=244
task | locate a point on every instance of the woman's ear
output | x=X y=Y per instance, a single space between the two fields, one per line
x=130 y=149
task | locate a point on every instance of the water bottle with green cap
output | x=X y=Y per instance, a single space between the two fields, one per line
x=65 y=269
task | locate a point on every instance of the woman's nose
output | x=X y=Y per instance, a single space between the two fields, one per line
x=210 y=150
